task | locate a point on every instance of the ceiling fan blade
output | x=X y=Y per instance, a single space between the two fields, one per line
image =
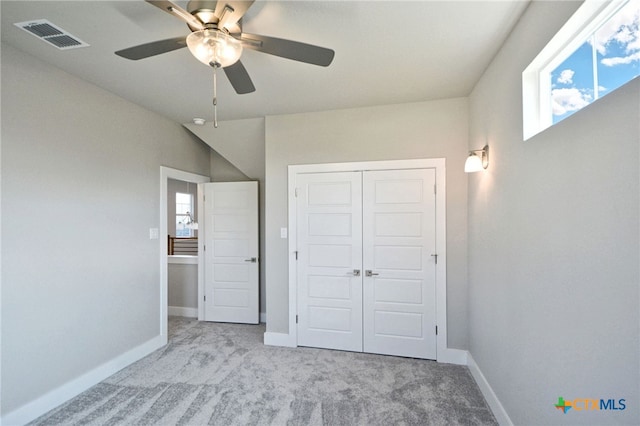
x=176 y=10
x=239 y=78
x=154 y=48
x=230 y=11
x=289 y=49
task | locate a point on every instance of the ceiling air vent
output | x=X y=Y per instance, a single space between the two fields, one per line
x=52 y=34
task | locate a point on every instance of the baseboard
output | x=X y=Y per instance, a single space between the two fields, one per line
x=279 y=339
x=61 y=394
x=179 y=311
x=452 y=356
x=263 y=317
x=494 y=403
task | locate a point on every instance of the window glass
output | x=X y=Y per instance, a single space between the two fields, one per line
x=184 y=208
x=572 y=83
x=609 y=58
x=617 y=44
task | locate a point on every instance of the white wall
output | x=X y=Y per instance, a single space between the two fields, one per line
x=419 y=130
x=553 y=243
x=80 y=188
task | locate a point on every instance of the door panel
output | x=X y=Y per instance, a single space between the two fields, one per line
x=397 y=257
x=398 y=240
x=231 y=242
x=398 y=224
x=231 y=248
x=329 y=241
x=398 y=291
x=398 y=324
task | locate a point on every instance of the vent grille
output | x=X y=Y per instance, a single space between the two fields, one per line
x=52 y=34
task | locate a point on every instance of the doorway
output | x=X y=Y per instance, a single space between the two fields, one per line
x=167 y=173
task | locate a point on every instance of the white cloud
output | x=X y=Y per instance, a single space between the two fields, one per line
x=623 y=28
x=618 y=60
x=624 y=35
x=633 y=45
x=566 y=76
x=568 y=100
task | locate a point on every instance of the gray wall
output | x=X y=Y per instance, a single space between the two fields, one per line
x=183 y=285
x=553 y=243
x=419 y=130
x=80 y=188
x=241 y=142
x=174 y=186
x=222 y=170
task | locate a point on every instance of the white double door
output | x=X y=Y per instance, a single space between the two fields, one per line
x=366 y=265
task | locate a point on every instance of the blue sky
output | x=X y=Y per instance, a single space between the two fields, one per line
x=617 y=45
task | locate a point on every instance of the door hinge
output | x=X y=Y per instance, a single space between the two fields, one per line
x=435 y=189
x=205 y=297
x=436 y=330
x=296 y=319
x=204 y=247
x=296 y=253
x=295 y=192
x=435 y=256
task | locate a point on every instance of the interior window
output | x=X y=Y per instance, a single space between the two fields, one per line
x=184 y=214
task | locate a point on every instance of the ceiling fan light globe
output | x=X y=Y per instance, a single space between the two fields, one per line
x=213 y=46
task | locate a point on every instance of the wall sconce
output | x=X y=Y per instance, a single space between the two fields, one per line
x=477 y=160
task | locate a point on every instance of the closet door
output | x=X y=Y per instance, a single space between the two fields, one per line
x=399 y=280
x=329 y=243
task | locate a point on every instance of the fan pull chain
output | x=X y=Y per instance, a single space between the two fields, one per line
x=215 y=96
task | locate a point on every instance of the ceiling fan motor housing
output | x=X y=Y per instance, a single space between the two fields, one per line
x=205 y=11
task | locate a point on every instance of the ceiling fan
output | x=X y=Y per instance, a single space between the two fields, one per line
x=217 y=40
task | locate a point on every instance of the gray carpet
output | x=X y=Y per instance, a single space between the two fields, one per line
x=222 y=374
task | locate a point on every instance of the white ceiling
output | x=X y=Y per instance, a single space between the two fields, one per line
x=387 y=52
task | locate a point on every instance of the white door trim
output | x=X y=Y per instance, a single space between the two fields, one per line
x=443 y=353
x=167 y=173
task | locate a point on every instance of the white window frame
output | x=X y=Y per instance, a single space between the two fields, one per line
x=536 y=81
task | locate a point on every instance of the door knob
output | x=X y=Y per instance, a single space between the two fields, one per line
x=252 y=260
x=356 y=272
x=370 y=273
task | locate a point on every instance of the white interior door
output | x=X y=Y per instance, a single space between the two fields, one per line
x=399 y=235
x=231 y=252
x=329 y=241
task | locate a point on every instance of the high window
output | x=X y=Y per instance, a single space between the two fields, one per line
x=594 y=53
